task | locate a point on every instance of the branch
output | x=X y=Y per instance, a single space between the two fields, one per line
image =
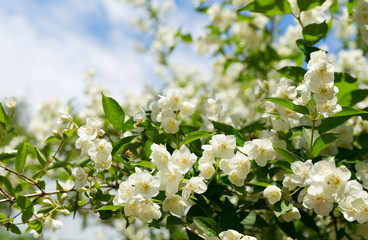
x=22 y=176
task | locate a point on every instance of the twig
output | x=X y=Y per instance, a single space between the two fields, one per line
x=199 y=235
x=22 y=176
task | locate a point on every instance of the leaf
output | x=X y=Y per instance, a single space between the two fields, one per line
x=289 y=156
x=252 y=219
x=229 y=218
x=22 y=187
x=305 y=5
x=53 y=139
x=269 y=8
x=69 y=132
x=114 y=113
x=23 y=202
x=308 y=220
x=292 y=72
x=353 y=97
x=196 y=135
x=14 y=229
x=172 y=221
x=7 y=156
x=186 y=38
x=45 y=209
x=4 y=117
x=208 y=226
x=282 y=207
x=339 y=118
x=313 y=33
x=305 y=48
x=344 y=77
x=116 y=146
x=21 y=156
x=260 y=184
x=110 y=207
x=284 y=102
x=37 y=153
x=323 y=141
x=27 y=214
x=288 y=228
x=105 y=214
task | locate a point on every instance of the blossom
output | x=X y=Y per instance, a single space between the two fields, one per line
x=170 y=179
x=195 y=184
x=183 y=159
x=160 y=156
x=170 y=125
x=230 y=235
x=174 y=204
x=206 y=170
x=272 y=193
x=293 y=214
x=90 y=130
x=67 y=186
x=124 y=194
x=148 y=210
x=261 y=150
x=10 y=102
x=145 y=185
x=318 y=200
x=53 y=224
x=223 y=146
x=80 y=177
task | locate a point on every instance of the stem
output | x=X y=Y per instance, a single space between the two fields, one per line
x=22 y=176
x=53 y=156
x=197 y=234
x=312 y=136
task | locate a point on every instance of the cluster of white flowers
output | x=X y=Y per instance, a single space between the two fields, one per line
x=319 y=80
x=136 y=193
x=167 y=109
x=361 y=18
x=324 y=184
x=260 y=150
x=99 y=150
x=221 y=18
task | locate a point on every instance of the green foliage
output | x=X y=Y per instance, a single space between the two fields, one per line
x=21 y=157
x=305 y=5
x=114 y=113
x=269 y=8
x=313 y=33
x=287 y=103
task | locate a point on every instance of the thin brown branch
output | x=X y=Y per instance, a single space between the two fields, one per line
x=22 y=176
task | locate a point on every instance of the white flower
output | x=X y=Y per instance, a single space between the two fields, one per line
x=207 y=156
x=160 y=156
x=170 y=180
x=10 y=102
x=304 y=97
x=318 y=200
x=148 y=210
x=131 y=208
x=261 y=150
x=67 y=186
x=293 y=214
x=174 y=204
x=329 y=108
x=322 y=169
x=195 y=184
x=64 y=115
x=100 y=149
x=230 y=235
x=53 y=224
x=301 y=173
x=145 y=185
x=273 y=194
x=83 y=145
x=241 y=164
x=80 y=177
x=187 y=109
x=103 y=164
x=90 y=130
x=183 y=159
x=174 y=100
x=170 y=125
x=336 y=180
x=223 y=146
x=361 y=206
x=125 y=193
x=206 y=170
x=285 y=90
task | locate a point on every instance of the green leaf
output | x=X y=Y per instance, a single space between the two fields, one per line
x=229 y=218
x=308 y=220
x=23 y=202
x=313 y=33
x=196 y=135
x=282 y=207
x=116 y=146
x=289 y=156
x=27 y=214
x=172 y=221
x=114 y=113
x=105 y=214
x=305 y=48
x=146 y=164
x=22 y=187
x=252 y=219
x=4 y=117
x=292 y=72
x=110 y=207
x=7 y=156
x=339 y=118
x=323 y=141
x=21 y=157
x=353 y=97
x=288 y=228
x=305 y=5
x=207 y=225
x=344 y=77
x=287 y=103
x=37 y=153
x=269 y=8
x=69 y=132
x=14 y=229
x=186 y=38
x=45 y=209
x=260 y=184
x=53 y=139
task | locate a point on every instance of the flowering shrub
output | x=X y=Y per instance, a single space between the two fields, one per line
x=273 y=146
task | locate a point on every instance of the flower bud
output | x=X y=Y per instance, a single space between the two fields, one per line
x=64 y=196
x=64 y=211
x=86 y=170
x=11 y=102
x=131 y=219
x=90 y=179
x=47 y=202
x=101 y=132
x=93 y=190
x=55 y=133
x=80 y=190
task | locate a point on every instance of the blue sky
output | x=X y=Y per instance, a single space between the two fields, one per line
x=46 y=46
